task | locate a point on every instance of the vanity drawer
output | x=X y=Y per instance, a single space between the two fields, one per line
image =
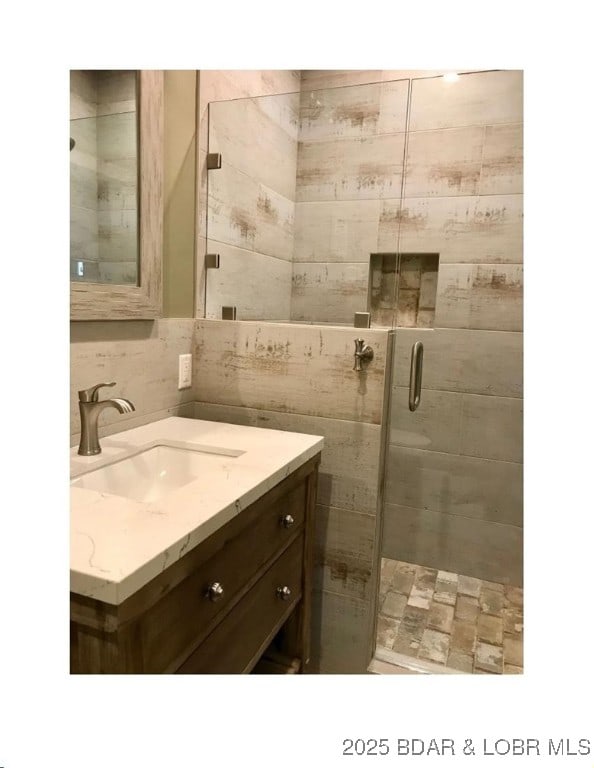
x=238 y=641
x=189 y=611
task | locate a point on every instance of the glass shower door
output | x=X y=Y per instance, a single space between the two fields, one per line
x=450 y=591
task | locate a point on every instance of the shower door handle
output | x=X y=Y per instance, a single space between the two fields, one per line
x=416 y=375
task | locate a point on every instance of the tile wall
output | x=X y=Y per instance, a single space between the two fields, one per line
x=454 y=474
x=349 y=172
x=251 y=199
x=142 y=358
x=299 y=378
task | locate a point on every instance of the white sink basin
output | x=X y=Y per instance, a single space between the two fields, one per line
x=152 y=474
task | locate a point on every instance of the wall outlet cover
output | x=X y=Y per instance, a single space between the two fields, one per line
x=185 y=372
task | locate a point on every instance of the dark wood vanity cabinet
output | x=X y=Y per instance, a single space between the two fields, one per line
x=239 y=601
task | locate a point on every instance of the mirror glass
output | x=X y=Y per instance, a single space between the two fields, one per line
x=104 y=176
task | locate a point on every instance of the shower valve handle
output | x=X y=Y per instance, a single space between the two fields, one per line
x=362 y=352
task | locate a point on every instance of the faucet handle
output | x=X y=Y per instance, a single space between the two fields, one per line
x=91 y=395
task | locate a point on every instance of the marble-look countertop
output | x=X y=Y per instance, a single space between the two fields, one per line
x=117 y=545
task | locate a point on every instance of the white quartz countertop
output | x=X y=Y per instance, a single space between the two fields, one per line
x=117 y=544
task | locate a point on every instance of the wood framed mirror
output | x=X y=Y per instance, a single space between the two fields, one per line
x=137 y=296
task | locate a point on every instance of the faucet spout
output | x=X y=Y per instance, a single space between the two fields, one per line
x=90 y=408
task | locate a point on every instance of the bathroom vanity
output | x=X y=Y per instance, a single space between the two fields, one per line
x=191 y=550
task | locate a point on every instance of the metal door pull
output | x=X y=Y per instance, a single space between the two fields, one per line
x=416 y=375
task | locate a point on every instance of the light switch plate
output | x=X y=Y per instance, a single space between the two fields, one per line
x=185 y=372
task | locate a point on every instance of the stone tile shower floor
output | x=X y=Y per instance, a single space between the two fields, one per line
x=446 y=618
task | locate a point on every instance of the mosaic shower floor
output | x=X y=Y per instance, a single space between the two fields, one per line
x=445 y=618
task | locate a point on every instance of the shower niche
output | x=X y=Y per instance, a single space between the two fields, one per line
x=403 y=289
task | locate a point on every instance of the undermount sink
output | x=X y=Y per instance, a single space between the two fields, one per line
x=152 y=474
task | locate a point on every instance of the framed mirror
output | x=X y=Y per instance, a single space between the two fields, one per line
x=116 y=197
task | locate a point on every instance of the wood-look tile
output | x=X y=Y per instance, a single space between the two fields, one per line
x=238 y=282
x=83 y=94
x=343 y=552
x=459 y=360
x=444 y=162
x=459 y=485
x=225 y=84
x=481 y=229
x=348 y=474
x=501 y=171
x=338 y=231
x=350 y=169
x=247 y=214
x=463 y=544
x=289 y=368
x=481 y=98
x=259 y=138
x=143 y=361
x=329 y=293
x=354 y=111
x=312 y=79
x=480 y=296
x=434 y=426
x=341 y=634
x=492 y=427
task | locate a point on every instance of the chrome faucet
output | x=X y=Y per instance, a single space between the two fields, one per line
x=362 y=352
x=90 y=407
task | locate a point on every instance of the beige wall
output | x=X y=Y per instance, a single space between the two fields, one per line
x=179 y=222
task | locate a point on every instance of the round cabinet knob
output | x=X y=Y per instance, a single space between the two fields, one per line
x=284 y=593
x=288 y=521
x=215 y=591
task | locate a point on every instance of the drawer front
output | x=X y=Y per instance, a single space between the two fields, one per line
x=237 y=642
x=186 y=614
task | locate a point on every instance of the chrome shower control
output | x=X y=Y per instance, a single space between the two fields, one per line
x=288 y=521
x=284 y=593
x=362 y=352
x=215 y=591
